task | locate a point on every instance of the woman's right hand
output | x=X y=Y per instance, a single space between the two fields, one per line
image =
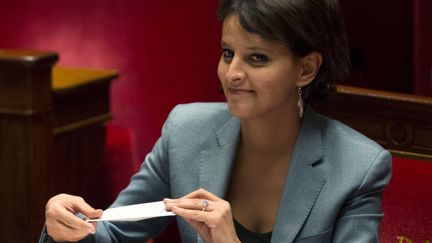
x=60 y=220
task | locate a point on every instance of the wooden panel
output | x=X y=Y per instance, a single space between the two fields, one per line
x=401 y=123
x=51 y=136
x=25 y=139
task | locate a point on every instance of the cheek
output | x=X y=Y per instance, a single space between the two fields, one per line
x=221 y=71
x=280 y=87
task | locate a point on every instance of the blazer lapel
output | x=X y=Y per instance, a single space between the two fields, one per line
x=217 y=159
x=304 y=181
x=303 y=184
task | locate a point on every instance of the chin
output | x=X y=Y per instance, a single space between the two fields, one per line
x=239 y=111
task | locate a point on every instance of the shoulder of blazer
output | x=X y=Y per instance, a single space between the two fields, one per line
x=346 y=148
x=336 y=131
x=197 y=124
x=200 y=116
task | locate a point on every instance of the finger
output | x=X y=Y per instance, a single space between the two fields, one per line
x=72 y=221
x=65 y=212
x=196 y=204
x=79 y=205
x=202 y=194
x=193 y=215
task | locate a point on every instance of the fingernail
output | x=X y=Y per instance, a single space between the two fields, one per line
x=91 y=230
x=167 y=200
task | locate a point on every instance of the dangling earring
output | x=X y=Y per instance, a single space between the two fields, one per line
x=300 y=102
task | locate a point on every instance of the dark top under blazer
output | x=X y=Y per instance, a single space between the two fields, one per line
x=332 y=193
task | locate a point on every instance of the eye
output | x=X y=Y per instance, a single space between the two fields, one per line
x=258 y=59
x=227 y=55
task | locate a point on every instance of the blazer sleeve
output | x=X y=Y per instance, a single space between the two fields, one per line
x=151 y=183
x=360 y=217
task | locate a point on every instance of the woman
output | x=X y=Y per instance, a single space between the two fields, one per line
x=262 y=167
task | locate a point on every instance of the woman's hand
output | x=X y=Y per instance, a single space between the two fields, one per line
x=61 y=222
x=209 y=215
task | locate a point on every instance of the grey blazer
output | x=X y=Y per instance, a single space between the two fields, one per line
x=332 y=193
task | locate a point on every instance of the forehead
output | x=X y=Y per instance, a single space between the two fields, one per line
x=232 y=28
x=233 y=34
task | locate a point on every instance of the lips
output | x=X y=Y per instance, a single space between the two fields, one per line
x=240 y=91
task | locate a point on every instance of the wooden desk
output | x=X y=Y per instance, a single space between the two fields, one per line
x=51 y=136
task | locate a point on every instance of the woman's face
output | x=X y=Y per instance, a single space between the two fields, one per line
x=259 y=77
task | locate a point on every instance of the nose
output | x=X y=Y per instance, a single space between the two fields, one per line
x=236 y=73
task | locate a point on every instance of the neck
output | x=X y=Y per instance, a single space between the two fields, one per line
x=271 y=135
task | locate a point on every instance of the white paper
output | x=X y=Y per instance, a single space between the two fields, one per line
x=134 y=212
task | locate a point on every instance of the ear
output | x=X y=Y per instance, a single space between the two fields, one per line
x=310 y=65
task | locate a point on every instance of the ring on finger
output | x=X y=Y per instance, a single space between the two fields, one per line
x=205 y=204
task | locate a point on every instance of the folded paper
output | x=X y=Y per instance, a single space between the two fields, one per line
x=134 y=212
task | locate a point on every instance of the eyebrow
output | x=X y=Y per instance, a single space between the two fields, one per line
x=251 y=48
x=256 y=48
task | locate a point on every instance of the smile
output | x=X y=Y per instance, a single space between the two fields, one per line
x=240 y=91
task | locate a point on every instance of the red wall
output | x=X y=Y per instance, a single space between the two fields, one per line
x=166 y=51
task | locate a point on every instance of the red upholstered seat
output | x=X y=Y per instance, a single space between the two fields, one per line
x=121 y=161
x=407 y=203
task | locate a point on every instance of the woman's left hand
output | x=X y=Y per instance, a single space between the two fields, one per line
x=209 y=215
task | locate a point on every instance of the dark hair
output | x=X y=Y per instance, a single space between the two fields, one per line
x=304 y=26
